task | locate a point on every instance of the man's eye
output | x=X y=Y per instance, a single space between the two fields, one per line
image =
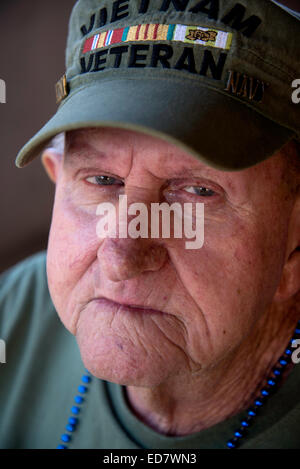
x=103 y=180
x=199 y=190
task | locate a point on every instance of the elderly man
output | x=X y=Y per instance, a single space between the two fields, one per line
x=178 y=102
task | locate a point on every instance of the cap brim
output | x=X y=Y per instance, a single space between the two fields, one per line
x=220 y=130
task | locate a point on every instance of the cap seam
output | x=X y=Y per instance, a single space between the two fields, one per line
x=290 y=74
x=254 y=109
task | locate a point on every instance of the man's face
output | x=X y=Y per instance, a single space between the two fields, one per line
x=200 y=305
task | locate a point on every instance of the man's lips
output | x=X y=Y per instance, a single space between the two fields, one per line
x=124 y=307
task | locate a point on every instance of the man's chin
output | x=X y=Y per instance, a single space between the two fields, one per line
x=125 y=350
x=126 y=376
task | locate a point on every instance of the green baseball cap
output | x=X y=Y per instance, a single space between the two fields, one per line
x=212 y=76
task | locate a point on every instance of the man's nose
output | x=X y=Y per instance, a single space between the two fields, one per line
x=122 y=259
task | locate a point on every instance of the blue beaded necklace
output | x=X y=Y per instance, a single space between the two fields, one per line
x=265 y=393
x=75 y=410
x=241 y=433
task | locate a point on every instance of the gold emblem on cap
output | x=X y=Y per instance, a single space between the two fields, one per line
x=198 y=34
x=61 y=89
x=246 y=87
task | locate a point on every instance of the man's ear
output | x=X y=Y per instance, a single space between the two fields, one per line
x=290 y=278
x=52 y=161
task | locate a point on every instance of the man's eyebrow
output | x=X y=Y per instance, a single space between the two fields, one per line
x=191 y=171
x=199 y=171
x=91 y=156
x=82 y=151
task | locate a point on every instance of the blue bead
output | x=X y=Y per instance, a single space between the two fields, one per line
x=283 y=361
x=288 y=351
x=61 y=447
x=65 y=437
x=86 y=379
x=78 y=399
x=271 y=382
x=244 y=423
x=297 y=331
x=252 y=413
x=73 y=421
x=75 y=409
x=258 y=402
x=82 y=389
x=277 y=371
x=238 y=434
x=70 y=428
x=231 y=444
x=265 y=392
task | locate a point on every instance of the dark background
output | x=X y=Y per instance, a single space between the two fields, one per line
x=32 y=42
x=32 y=47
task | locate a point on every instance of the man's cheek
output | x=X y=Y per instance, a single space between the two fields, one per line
x=75 y=229
x=72 y=248
x=230 y=268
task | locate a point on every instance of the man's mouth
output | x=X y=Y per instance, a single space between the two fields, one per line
x=134 y=308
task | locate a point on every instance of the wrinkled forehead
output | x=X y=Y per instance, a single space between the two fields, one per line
x=120 y=148
x=82 y=142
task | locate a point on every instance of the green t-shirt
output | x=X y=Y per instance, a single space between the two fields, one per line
x=43 y=370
